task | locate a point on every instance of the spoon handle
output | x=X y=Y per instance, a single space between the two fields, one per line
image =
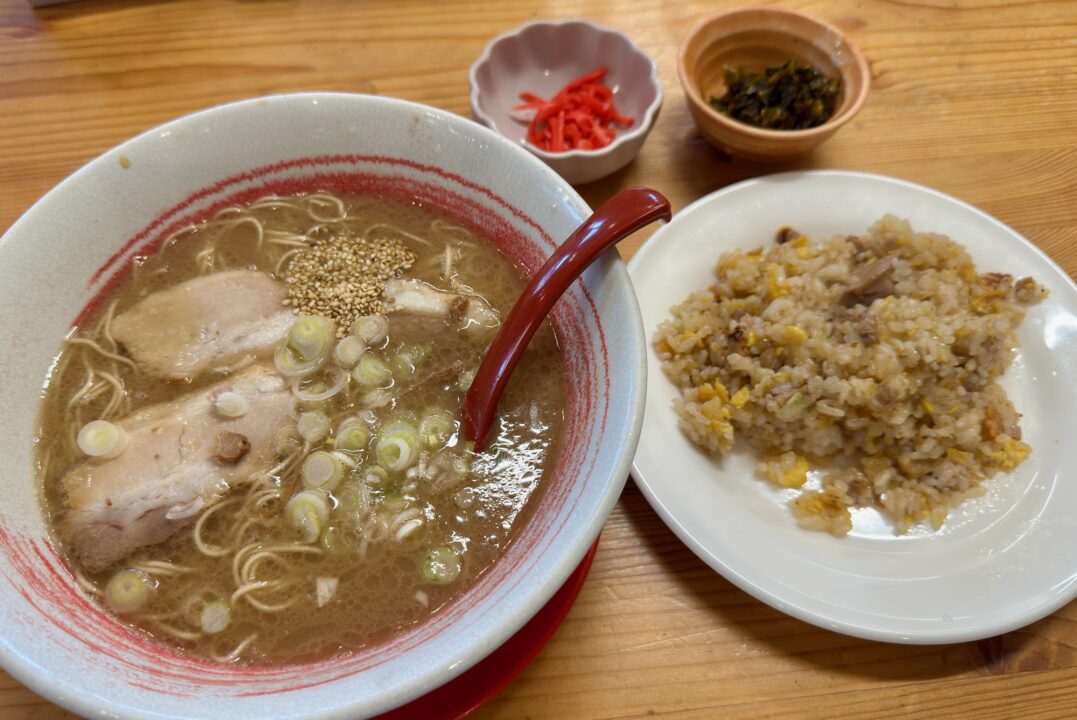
x=617 y=218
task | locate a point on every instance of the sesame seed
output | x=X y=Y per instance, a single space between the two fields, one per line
x=343 y=277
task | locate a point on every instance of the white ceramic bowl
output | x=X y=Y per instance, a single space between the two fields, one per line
x=67 y=249
x=542 y=57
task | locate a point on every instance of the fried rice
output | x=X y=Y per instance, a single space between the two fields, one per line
x=874 y=359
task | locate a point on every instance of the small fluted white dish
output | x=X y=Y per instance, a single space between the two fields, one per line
x=1000 y=562
x=542 y=57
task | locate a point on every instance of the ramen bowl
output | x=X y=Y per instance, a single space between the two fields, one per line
x=83 y=235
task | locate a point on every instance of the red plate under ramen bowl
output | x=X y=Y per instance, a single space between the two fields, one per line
x=78 y=241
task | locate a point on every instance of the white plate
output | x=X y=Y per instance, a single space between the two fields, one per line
x=1001 y=561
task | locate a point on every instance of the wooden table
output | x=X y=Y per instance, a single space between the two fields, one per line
x=975 y=97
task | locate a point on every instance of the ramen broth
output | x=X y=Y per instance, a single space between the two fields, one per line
x=395 y=545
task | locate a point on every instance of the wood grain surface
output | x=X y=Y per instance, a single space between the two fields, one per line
x=977 y=98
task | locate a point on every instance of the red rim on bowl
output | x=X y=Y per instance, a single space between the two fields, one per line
x=485 y=680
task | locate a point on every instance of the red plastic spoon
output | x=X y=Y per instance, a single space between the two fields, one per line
x=623 y=214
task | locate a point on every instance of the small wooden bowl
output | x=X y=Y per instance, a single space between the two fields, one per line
x=754 y=38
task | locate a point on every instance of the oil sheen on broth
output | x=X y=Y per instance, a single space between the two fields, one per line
x=281 y=526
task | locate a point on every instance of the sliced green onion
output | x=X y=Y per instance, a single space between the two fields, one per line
x=102 y=439
x=395 y=500
x=400 y=425
x=348 y=351
x=398 y=445
x=441 y=566
x=318 y=392
x=216 y=615
x=321 y=471
x=376 y=476
x=232 y=404
x=324 y=589
x=436 y=428
x=396 y=453
x=372 y=372
x=348 y=460
x=311 y=336
x=316 y=386
x=371 y=329
x=403 y=364
x=353 y=434
x=313 y=426
x=338 y=541
x=128 y=590
x=406 y=524
x=289 y=363
x=379 y=397
x=793 y=409
x=407 y=530
x=307 y=512
x=287 y=441
x=351 y=499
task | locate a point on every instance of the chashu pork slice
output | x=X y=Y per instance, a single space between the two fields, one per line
x=180 y=457
x=472 y=312
x=206 y=323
